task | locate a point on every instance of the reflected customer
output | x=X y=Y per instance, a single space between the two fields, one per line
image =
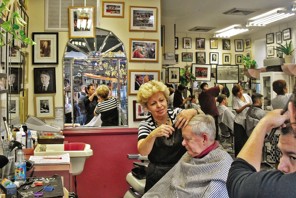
x=107 y=107
x=90 y=102
x=157 y=138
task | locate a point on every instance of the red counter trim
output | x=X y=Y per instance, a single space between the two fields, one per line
x=99 y=131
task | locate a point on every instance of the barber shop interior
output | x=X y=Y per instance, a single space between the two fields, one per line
x=147 y=98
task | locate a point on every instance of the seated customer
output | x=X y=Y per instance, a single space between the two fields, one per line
x=226 y=117
x=245 y=178
x=254 y=113
x=203 y=170
x=280 y=88
x=107 y=107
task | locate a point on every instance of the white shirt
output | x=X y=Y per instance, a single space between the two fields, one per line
x=237 y=104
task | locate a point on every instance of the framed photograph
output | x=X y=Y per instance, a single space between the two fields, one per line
x=14 y=55
x=187 y=43
x=139 y=112
x=14 y=80
x=46 y=50
x=227 y=73
x=137 y=77
x=200 y=43
x=113 y=9
x=278 y=37
x=270 y=51
x=248 y=43
x=213 y=43
x=226 y=58
x=176 y=42
x=187 y=57
x=287 y=34
x=238 y=59
x=201 y=72
x=174 y=75
x=270 y=38
x=177 y=58
x=44 y=80
x=14 y=106
x=143 y=50
x=214 y=58
x=226 y=44
x=3 y=83
x=239 y=45
x=200 y=57
x=44 y=106
x=81 y=22
x=143 y=19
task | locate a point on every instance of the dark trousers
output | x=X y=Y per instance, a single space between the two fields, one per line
x=240 y=138
x=155 y=173
x=217 y=128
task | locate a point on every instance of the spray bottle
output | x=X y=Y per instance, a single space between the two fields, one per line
x=20 y=165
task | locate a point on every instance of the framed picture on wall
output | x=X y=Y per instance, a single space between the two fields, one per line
x=187 y=43
x=213 y=43
x=173 y=74
x=44 y=106
x=200 y=57
x=176 y=42
x=177 y=58
x=14 y=106
x=239 y=45
x=248 y=43
x=143 y=19
x=226 y=44
x=227 y=73
x=143 y=50
x=226 y=58
x=270 y=51
x=287 y=34
x=201 y=72
x=187 y=57
x=270 y=38
x=113 y=9
x=14 y=80
x=44 y=80
x=238 y=59
x=46 y=50
x=81 y=22
x=139 y=112
x=137 y=77
x=214 y=58
x=278 y=37
x=200 y=43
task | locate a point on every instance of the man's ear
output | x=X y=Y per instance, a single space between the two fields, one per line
x=292 y=110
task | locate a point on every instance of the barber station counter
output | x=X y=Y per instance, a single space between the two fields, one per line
x=104 y=173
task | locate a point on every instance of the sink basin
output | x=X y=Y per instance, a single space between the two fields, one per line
x=78 y=152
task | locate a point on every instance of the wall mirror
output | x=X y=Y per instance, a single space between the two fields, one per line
x=97 y=61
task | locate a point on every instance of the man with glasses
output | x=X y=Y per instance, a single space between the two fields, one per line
x=245 y=178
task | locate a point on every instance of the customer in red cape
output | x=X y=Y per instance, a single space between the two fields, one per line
x=207 y=101
x=157 y=138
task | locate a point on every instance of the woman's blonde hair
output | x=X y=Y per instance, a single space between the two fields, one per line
x=148 y=89
x=103 y=91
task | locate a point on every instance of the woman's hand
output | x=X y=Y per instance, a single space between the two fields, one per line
x=163 y=130
x=184 y=117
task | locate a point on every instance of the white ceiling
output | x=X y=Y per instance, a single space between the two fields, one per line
x=209 y=13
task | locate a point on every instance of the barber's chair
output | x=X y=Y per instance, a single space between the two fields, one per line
x=227 y=137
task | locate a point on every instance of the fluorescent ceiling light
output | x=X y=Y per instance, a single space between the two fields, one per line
x=269 y=17
x=230 y=31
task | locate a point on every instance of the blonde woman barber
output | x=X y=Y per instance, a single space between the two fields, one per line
x=157 y=138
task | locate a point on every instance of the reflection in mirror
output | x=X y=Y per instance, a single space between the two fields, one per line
x=89 y=63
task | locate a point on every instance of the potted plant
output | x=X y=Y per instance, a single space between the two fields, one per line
x=12 y=24
x=286 y=49
x=186 y=76
x=249 y=63
x=250 y=67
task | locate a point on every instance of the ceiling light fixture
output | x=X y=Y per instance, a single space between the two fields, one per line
x=269 y=17
x=230 y=31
